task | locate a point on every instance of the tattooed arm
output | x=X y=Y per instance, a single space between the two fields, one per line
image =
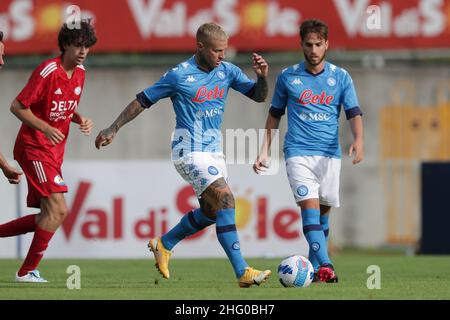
x=261 y=88
x=106 y=136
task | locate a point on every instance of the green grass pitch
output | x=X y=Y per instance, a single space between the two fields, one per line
x=402 y=277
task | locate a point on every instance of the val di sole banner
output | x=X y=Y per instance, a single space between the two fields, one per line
x=31 y=26
x=116 y=207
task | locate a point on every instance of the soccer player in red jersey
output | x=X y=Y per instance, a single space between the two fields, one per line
x=46 y=106
x=11 y=173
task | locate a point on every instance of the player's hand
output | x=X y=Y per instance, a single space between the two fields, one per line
x=357 y=147
x=262 y=163
x=86 y=126
x=54 y=135
x=12 y=174
x=260 y=65
x=104 y=138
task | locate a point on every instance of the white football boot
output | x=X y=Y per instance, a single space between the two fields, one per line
x=32 y=276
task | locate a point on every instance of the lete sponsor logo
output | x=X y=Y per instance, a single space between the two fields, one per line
x=307 y=97
x=204 y=94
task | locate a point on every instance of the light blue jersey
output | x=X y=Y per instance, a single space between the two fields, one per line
x=198 y=99
x=314 y=105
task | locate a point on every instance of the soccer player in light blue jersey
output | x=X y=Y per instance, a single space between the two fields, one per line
x=198 y=89
x=313 y=92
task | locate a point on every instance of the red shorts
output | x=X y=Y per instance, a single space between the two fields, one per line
x=43 y=179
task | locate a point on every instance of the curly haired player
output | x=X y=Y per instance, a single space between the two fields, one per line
x=46 y=107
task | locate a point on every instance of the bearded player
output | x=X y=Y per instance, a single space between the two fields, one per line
x=198 y=89
x=313 y=92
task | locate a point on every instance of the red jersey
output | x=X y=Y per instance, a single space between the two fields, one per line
x=53 y=98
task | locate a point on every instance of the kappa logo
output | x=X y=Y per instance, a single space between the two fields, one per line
x=297 y=81
x=58 y=91
x=191 y=79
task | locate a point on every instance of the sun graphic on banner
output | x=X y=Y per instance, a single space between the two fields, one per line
x=253 y=18
x=48 y=19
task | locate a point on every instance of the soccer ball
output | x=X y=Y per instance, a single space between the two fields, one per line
x=295 y=271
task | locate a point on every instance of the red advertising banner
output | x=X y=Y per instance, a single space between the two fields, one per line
x=31 y=26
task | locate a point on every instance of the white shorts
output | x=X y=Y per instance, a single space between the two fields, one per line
x=200 y=169
x=314 y=177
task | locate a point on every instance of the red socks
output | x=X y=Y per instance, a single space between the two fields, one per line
x=38 y=246
x=19 y=226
